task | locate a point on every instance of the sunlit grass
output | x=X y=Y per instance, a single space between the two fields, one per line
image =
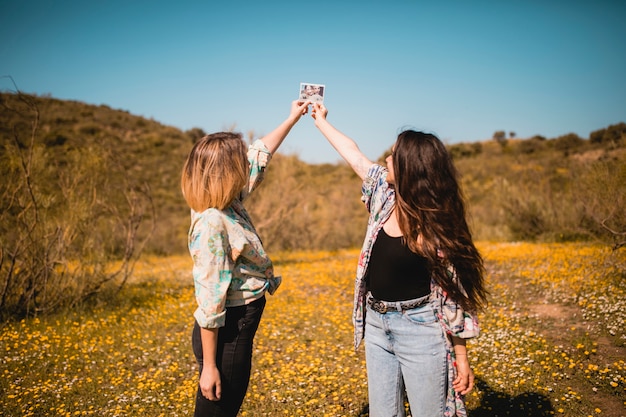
x=134 y=358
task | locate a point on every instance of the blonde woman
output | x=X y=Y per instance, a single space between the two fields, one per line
x=231 y=270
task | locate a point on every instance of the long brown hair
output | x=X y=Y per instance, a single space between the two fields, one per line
x=215 y=172
x=432 y=217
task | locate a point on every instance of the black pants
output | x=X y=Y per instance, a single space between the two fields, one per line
x=234 y=359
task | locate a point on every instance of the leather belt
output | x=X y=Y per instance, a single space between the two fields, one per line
x=384 y=306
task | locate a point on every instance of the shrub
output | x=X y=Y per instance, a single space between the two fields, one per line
x=601 y=192
x=568 y=143
x=62 y=224
x=614 y=135
x=465 y=150
x=531 y=145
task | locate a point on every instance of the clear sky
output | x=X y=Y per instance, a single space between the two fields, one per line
x=459 y=69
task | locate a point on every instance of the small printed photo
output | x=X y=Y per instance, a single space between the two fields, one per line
x=312 y=92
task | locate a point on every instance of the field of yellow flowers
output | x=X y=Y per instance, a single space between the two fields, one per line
x=552 y=343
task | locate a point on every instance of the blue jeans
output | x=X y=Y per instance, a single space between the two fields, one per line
x=405 y=351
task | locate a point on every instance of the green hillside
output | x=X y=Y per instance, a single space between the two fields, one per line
x=535 y=188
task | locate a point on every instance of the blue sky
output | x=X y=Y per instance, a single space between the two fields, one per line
x=459 y=69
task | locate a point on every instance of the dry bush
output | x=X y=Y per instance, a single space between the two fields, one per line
x=579 y=200
x=600 y=191
x=303 y=206
x=63 y=221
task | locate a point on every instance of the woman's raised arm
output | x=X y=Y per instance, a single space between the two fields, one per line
x=273 y=139
x=347 y=148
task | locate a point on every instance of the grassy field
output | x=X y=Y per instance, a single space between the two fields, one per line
x=553 y=342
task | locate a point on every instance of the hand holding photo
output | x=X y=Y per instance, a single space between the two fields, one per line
x=312 y=92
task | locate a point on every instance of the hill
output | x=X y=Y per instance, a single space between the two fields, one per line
x=535 y=188
x=141 y=152
x=86 y=190
x=561 y=189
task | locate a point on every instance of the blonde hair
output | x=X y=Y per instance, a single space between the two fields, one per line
x=215 y=172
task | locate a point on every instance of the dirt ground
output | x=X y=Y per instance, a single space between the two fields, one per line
x=554 y=323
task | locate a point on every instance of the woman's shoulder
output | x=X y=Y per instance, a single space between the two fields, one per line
x=376 y=173
x=375 y=180
x=209 y=218
x=376 y=192
x=206 y=214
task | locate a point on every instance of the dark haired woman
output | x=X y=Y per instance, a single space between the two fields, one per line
x=419 y=280
x=231 y=270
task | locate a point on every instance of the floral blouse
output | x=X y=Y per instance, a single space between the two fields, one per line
x=230 y=266
x=379 y=199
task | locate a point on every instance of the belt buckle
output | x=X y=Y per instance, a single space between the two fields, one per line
x=379 y=307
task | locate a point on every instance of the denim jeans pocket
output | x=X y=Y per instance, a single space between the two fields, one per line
x=420 y=315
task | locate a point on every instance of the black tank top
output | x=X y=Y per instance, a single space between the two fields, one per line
x=394 y=272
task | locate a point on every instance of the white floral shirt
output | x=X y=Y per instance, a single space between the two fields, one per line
x=230 y=266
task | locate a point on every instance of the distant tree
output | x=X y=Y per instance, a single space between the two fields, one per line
x=568 y=142
x=499 y=135
x=512 y=134
x=597 y=136
x=614 y=135
x=531 y=145
x=195 y=134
